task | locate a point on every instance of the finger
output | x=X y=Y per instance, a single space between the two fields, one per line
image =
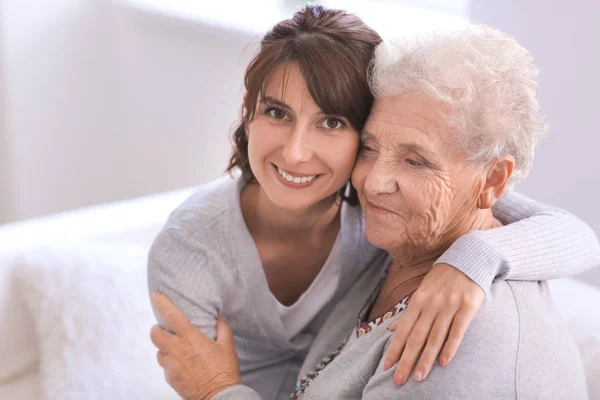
x=224 y=333
x=168 y=363
x=175 y=319
x=461 y=322
x=162 y=359
x=404 y=325
x=392 y=327
x=437 y=337
x=161 y=338
x=414 y=345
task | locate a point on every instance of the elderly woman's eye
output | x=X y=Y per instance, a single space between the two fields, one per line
x=414 y=163
x=276 y=113
x=332 y=123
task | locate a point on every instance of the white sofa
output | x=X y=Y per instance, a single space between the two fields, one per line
x=75 y=314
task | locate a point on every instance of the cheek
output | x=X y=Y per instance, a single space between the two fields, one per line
x=359 y=174
x=341 y=155
x=429 y=199
x=430 y=192
x=262 y=139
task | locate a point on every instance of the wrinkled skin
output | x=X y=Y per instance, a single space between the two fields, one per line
x=419 y=194
x=410 y=165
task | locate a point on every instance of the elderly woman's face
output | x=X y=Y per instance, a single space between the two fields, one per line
x=413 y=181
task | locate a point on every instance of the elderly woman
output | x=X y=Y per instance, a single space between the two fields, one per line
x=455 y=124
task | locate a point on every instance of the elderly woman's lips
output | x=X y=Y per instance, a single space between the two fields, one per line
x=378 y=209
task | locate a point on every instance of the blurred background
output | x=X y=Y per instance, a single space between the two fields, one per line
x=104 y=100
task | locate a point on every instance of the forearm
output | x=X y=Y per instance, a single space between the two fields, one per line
x=543 y=243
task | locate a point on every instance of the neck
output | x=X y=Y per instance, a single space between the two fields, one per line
x=270 y=220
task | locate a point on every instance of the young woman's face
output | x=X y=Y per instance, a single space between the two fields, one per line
x=299 y=155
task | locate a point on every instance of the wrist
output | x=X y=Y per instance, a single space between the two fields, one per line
x=218 y=387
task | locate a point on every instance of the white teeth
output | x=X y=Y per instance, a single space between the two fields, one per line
x=295 y=179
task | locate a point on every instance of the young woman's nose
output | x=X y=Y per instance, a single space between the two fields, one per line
x=298 y=148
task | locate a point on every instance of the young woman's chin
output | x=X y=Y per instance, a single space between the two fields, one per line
x=297 y=200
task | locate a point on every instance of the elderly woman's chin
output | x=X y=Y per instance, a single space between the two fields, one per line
x=383 y=234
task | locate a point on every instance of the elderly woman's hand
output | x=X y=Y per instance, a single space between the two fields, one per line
x=439 y=313
x=195 y=366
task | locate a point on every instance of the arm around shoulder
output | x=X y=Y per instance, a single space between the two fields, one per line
x=539 y=242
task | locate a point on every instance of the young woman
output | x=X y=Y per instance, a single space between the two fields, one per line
x=276 y=247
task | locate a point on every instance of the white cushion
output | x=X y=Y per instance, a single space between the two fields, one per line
x=92 y=317
x=135 y=221
x=578 y=304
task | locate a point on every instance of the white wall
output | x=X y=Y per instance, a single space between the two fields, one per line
x=5 y=194
x=105 y=103
x=101 y=102
x=563 y=36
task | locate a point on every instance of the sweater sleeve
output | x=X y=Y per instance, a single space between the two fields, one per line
x=187 y=273
x=538 y=242
x=238 y=392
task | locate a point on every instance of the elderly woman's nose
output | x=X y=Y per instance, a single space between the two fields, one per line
x=381 y=179
x=298 y=148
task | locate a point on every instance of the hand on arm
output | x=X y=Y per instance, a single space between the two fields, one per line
x=196 y=367
x=435 y=321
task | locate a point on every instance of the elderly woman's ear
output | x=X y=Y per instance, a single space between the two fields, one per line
x=498 y=175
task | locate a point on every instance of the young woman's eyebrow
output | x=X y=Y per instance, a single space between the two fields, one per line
x=272 y=101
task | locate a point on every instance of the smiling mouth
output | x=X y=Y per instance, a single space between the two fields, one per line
x=378 y=209
x=294 y=177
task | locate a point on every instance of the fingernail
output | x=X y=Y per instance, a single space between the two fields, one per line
x=418 y=376
x=387 y=365
x=444 y=361
x=398 y=379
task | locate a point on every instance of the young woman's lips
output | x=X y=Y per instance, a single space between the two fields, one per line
x=294 y=180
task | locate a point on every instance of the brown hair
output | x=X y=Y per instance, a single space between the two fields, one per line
x=332 y=49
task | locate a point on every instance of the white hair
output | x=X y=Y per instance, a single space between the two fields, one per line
x=488 y=80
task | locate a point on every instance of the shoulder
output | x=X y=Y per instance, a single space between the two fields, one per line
x=485 y=363
x=196 y=235
x=207 y=204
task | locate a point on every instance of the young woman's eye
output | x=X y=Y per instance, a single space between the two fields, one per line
x=332 y=123
x=276 y=113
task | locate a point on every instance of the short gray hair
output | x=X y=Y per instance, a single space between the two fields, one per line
x=488 y=80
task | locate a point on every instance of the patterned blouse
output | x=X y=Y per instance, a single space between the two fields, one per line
x=362 y=328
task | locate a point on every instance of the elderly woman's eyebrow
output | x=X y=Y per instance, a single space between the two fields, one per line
x=365 y=135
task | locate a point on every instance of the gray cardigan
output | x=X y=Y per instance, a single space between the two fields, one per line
x=206 y=262
x=516 y=348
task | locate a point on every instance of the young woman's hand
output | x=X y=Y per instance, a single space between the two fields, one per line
x=436 y=319
x=195 y=366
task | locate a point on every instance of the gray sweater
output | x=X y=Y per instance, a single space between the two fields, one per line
x=206 y=262
x=515 y=348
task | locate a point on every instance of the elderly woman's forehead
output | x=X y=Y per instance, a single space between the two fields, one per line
x=408 y=111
